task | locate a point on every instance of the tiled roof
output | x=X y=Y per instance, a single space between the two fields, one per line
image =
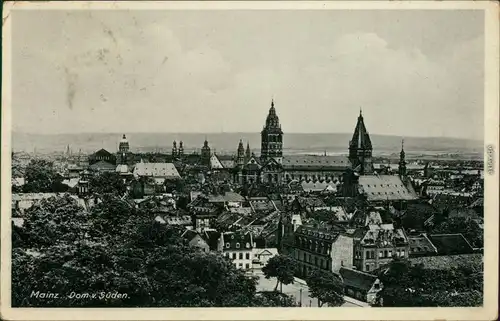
x=122 y=168
x=357 y=279
x=215 y=162
x=102 y=165
x=72 y=182
x=384 y=187
x=311 y=162
x=167 y=170
x=317 y=233
x=226 y=197
x=238 y=241
x=444 y=262
x=318 y=186
x=451 y=244
x=383 y=233
x=420 y=244
x=228 y=163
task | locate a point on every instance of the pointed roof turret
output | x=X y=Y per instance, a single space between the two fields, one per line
x=360 y=138
x=402 y=153
x=241 y=149
x=272 y=120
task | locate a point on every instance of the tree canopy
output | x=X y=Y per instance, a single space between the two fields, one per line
x=408 y=285
x=41 y=177
x=326 y=287
x=468 y=227
x=282 y=267
x=107 y=183
x=119 y=257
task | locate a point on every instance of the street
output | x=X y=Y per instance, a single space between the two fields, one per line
x=294 y=290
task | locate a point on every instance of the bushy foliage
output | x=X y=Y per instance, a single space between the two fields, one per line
x=41 y=177
x=281 y=267
x=326 y=287
x=120 y=257
x=407 y=285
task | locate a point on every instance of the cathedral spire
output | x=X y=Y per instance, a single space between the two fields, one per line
x=360 y=148
x=402 y=161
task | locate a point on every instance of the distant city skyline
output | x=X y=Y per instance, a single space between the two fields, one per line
x=414 y=73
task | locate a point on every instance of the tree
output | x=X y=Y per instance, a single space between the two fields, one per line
x=107 y=183
x=40 y=176
x=326 y=287
x=469 y=228
x=281 y=267
x=407 y=285
x=120 y=251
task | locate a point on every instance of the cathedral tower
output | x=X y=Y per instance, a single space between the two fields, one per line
x=240 y=156
x=123 y=147
x=272 y=137
x=248 y=154
x=402 y=161
x=181 y=149
x=174 y=149
x=205 y=153
x=360 y=148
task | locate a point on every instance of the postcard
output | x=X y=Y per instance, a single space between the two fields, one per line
x=250 y=160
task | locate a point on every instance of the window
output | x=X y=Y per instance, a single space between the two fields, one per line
x=367 y=254
x=390 y=253
x=234 y=256
x=380 y=254
x=240 y=265
x=367 y=267
x=321 y=263
x=315 y=261
x=247 y=256
x=237 y=245
x=247 y=266
x=403 y=253
x=241 y=256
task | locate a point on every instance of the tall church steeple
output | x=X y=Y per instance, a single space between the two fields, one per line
x=205 y=153
x=174 y=149
x=240 y=158
x=272 y=137
x=402 y=161
x=248 y=153
x=360 y=148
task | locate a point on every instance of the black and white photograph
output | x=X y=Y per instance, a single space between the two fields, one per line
x=225 y=155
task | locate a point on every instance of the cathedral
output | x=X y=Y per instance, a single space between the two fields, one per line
x=272 y=167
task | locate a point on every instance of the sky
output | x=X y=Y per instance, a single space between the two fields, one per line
x=413 y=72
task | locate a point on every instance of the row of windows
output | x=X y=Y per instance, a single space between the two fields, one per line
x=240 y=265
x=240 y=255
x=370 y=254
x=312 y=260
x=321 y=247
x=313 y=177
x=247 y=245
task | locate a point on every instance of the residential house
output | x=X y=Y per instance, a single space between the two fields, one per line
x=238 y=247
x=261 y=256
x=376 y=245
x=323 y=248
x=196 y=240
x=360 y=285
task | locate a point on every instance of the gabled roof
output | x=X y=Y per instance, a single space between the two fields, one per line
x=357 y=279
x=384 y=187
x=310 y=162
x=215 y=162
x=451 y=244
x=226 y=197
x=420 y=244
x=360 y=138
x=156 y=170
x=445 y=262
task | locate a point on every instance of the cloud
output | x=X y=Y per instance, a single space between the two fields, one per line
x=131 y=72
